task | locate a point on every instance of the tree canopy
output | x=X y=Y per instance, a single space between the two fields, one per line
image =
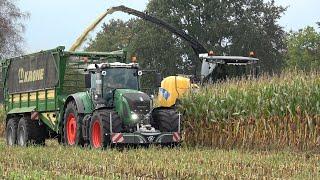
x=114 y=36
x=233 y=27
x=11 y=28
x=304 y=49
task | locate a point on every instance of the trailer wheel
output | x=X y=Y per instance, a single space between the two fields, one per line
x=30 y=132
x=100 y=126
x=165 y=120
x=11 y=131
x=72 y=125
x=23 y=133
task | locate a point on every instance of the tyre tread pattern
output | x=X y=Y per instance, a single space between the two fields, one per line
x=104 y=117
x=12 y=122
x=165 y=120
x=34 y=132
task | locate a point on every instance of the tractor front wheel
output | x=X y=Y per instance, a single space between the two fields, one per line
x=165 y=120
x=100 y=127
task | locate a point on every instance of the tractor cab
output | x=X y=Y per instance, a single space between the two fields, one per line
x=116 y=85
x=104 y=79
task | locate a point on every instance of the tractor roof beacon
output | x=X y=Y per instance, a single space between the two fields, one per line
x=81 y=98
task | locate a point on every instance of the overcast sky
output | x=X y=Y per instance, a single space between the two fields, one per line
x=59 y=22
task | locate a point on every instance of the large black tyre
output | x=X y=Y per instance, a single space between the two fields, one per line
x=165 y=119
x=72 y=125
x=11 y=131
x=30 y=132
x=100 y=125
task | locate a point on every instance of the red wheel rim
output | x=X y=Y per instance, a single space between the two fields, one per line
x=71 y=129
x=96 y=134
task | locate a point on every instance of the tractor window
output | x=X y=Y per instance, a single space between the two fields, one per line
x=93 y=81
x=120 y=78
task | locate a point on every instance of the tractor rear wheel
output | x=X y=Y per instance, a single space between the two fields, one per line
x=165 y=120
x=11 y=131
x=100 y=126
x=72 y=125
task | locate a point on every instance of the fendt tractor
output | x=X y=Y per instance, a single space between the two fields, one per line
x=82 y=98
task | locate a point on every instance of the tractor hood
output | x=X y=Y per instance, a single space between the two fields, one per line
x=132 y=105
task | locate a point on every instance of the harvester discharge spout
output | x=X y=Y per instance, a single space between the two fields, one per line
x=195 y=44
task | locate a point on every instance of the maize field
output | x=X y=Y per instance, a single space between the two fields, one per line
x=266 y=113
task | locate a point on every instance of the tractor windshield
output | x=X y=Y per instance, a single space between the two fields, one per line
x=120 y=78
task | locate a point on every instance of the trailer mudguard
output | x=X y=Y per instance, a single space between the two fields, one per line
x=83 y=102
x=22 y=110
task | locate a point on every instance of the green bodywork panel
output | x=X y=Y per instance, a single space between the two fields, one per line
x=86 y=100
x=80 y=97
x=121 y=105
x=51 y=119
x=22 y=110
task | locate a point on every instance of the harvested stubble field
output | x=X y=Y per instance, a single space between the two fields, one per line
x=58 y=162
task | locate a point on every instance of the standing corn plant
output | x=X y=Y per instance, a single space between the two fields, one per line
x=270 y=112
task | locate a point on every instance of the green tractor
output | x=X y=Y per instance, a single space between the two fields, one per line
x=82 y=98
x=122 y=111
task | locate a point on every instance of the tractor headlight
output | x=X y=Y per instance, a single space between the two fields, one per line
x=134 y=116
x=96 y=97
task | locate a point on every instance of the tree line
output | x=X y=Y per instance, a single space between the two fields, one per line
x=226 y=27
x=233 y=27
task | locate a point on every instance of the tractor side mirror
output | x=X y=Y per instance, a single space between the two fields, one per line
x=158 y=79
x=88 y=80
